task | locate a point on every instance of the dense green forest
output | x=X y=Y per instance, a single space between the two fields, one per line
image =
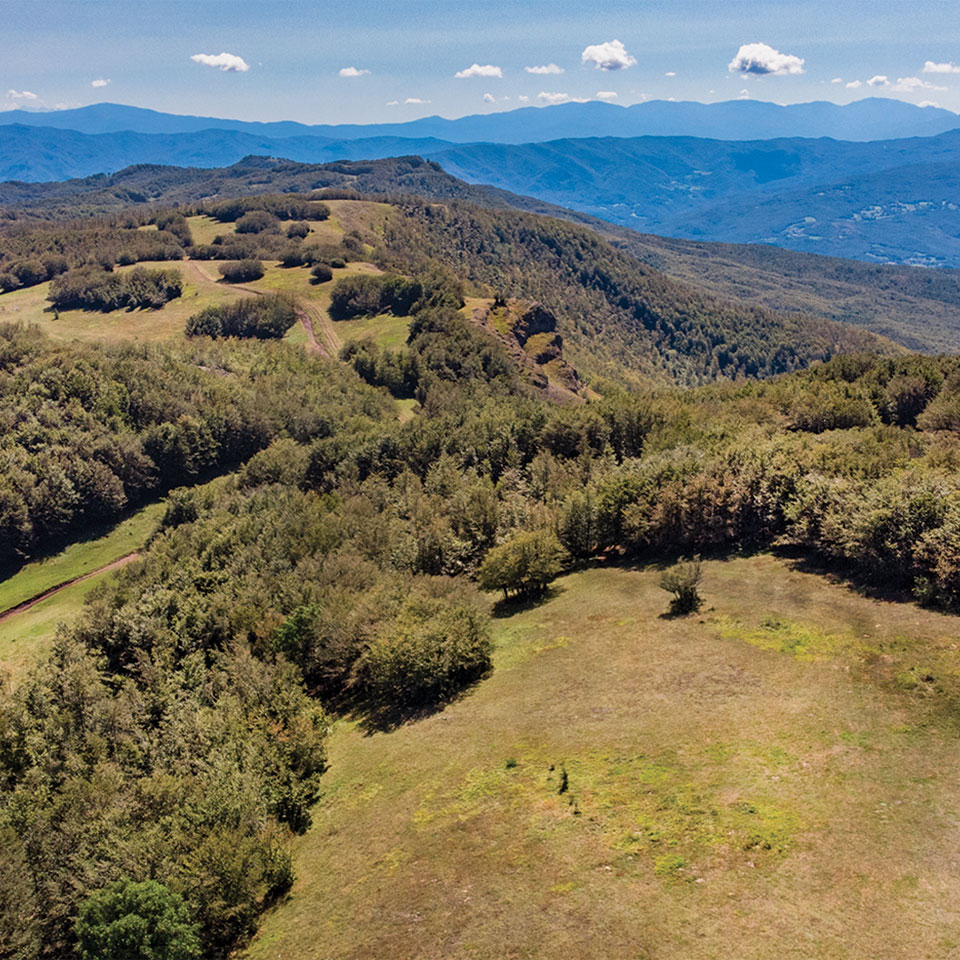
x=321 y=555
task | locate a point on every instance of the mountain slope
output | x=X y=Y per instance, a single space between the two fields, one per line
x=916 y=307
x=884 y=201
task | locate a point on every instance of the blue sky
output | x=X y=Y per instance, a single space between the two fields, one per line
x=285 y=56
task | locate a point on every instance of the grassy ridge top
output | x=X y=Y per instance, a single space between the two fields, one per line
x=718 y=789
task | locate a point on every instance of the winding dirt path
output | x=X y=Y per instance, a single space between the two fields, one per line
x=40 y=597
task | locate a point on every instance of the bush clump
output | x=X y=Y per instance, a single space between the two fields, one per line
x=91 y=288
x=241 y=271
x=370 y=294
x=256 y=221
x=321 y=273
x=136 y=921
x=683 y=581
x=523 y=566
x=267 y=318
x=432 y=649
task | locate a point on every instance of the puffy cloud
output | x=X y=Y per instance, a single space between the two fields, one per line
x=606 y=94
x=761 y=60
x=854 y=84
x=928 y=103
x=523 y=98
x=670 y=73
x=478 y=70
x=393 y=103
x=545 y=69
x=223 y=61
x=912 y=84
x=99 y=82
x=21 y=95
x=611 y=55
x=352 y=72
x=931 y=67
x=879 y=81
x=744 y=94
x=415 y=100
x=489 y=98
x=837 y=80
x=552 y=97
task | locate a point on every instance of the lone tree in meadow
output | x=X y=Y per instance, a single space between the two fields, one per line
x=523 y=566
x=136 y=921
x=683 y=581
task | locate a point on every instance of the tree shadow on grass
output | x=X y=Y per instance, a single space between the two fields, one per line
x=373 y=717
x=514 y=605
x=804 y=561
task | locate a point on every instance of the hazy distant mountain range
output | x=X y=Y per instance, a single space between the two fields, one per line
x=894 y=200
x=873 y=118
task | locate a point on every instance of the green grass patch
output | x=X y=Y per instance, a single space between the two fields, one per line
x=80 y=558
x=26 y=637
x=385 y=330
x=785 y=636
x=702 y=792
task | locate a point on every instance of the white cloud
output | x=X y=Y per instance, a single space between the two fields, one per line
x=761 y=60
x=931 y=67
x=854 y=84
x=393 y=103
x=223 y=61
x=415 y=100
x=912 y=84
x=611 y=55
x=489 y=98
x=837 y=80
x=606 y=94
x=478 y=70
x=352 y=72
x=878 y=81
x=744 y=94
x=544 y=69
x=99 y=82
x=670 y=73
x=21 y=95
x=523 y=98
x=928 y=103
x=552 y=97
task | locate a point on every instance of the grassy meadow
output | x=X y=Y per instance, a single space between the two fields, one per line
x=775 y=777
x=203 y=287
x=25 y=635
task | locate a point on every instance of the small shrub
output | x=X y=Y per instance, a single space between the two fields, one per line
x=321 y=273
x=241 y=271
x=683 y=581
x=298 y=229
x=256 y=221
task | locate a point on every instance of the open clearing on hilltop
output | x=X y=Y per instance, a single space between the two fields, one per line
x=777 y=777
x=202 y=288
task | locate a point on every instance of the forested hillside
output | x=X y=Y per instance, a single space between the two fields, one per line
x=914 y=306
x=381 y=419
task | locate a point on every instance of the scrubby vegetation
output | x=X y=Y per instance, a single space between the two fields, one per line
x=266 y=317
x=176 y=738
x=243 y=271
x=91 y=288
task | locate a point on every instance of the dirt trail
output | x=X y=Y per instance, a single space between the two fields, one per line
x=40 y=597
x=307 y=317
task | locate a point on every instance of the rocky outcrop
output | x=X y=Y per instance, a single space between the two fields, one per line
x=529 y=332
